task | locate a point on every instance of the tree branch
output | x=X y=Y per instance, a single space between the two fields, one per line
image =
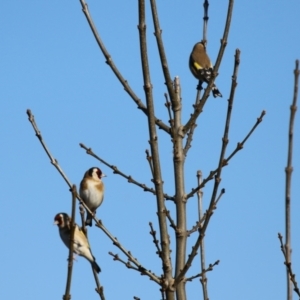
x=161 y=50
x=199 y=107
x=203 y=228
x=288 y=265
x=117 y=171
x=98 y=222
x=202 y=274
x=110 y=62
x=157 y=178
x=288 y=171
x=203 y=279
x=239 y=147
x=67 y=295
x=155 y=240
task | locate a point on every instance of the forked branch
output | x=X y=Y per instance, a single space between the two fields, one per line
x=110 y=62
x=239 y=147
x=117 y=171
x=98 y=222
x=200 y=105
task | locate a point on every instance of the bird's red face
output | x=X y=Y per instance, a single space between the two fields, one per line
x=61 y=220
x=95 y=173
x=98 y=172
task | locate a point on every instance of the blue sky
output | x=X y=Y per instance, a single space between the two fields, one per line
x=51 y=64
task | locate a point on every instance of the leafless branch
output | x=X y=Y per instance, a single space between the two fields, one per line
x=288 y=265
x=99 y=289
x=157 y=178
x=288 y=171
x=110 y=62
x=53 y=161
x=189 y=139
x=161 y=50
x=205 y=21
x=82 y=216
x=127 y=264
x=117 y=171
x=168 y=106
x=199 y=107
x=163 y=294
x=149 y=159
x=202 y=274
x=172 y=223
x=98 y=222
x=202 y=247
x=126 y=252
x=67 y=295
x=155 y=240
x=180 y=276
x=197 y=226
x=239 y=147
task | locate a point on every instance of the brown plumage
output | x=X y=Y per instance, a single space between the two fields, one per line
x=81 y=244
x=92 y=191
x=201 y=66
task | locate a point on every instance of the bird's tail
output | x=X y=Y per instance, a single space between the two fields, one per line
x=96 y=267
x=216 y=92
x=89 y=220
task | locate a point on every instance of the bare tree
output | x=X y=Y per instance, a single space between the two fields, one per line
x=173 y=280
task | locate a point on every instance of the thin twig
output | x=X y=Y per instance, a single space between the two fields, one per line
x=203 y=278
x=239 y=147
x=208 y=212
x=288 y=265
x=202 y=274
x=161 y=50
x=126 y=263
x=168 y=106
x=110 y=62
x=199 y=107
x=191 y=131
x=117 y=171
x=67 y=295
x=205 y=21
x=172 y=223
x=149 y=159
x=155 y=240
x=99 y=289
x=163 y=294
x=82 y=216
x=130 y=257
x=98 y=222
x=53 y=161
x=189 y=139
x=288 y=172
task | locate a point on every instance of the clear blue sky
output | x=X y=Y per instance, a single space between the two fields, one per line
x=51 y=64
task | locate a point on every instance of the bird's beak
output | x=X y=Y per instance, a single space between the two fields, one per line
x=55 y=223
x=103 y=175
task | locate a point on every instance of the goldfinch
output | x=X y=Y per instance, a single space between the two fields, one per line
x=201 y=67
x=81 y=244
x=92 y=191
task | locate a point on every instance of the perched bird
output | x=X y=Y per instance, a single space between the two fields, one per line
x=92 y=191
x=201 y=67
x=81 y=244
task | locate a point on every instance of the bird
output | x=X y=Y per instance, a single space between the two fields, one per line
x=92 y=191
x=201 y=66
x=81 y=244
